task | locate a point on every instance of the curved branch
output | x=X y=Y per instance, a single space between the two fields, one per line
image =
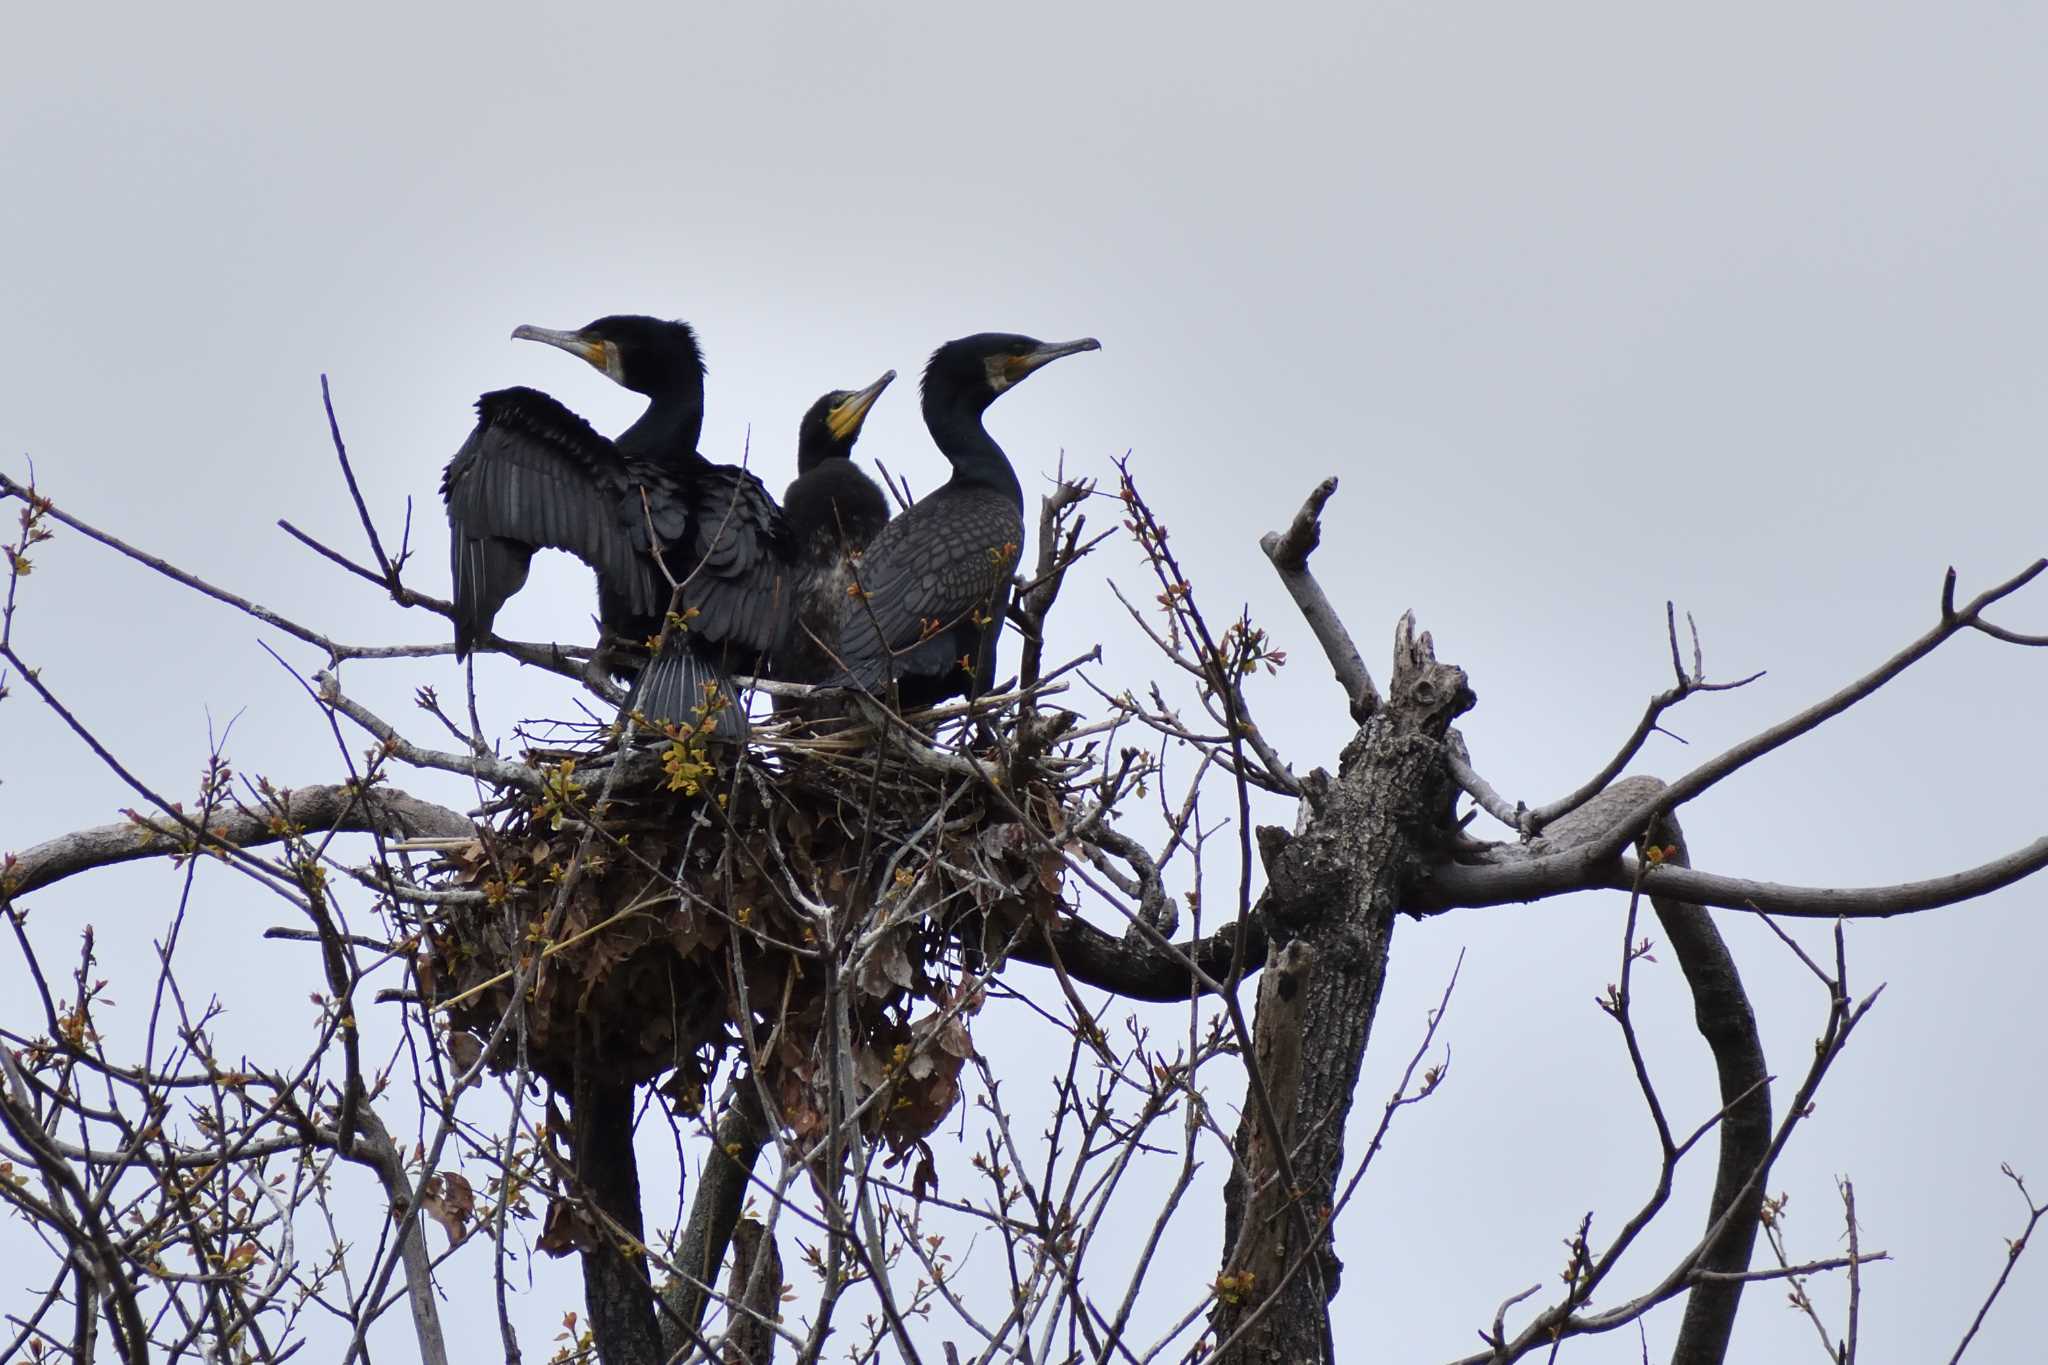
x=1154 y=906
x=1537 y=877
x=2012 y=637
x=1138 y=969
x=1289 y=552
x=1458 y=759
x=340 y=807
x=1722 y=1013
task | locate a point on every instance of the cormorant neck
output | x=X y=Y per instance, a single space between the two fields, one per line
x=957 y=431
x=670 y=427
x=816 y=453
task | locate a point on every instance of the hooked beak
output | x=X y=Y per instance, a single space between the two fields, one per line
x=844 y=421
x=1016 y=367
x=602 y=355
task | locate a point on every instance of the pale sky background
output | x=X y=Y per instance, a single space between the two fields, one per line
x=1590 y=305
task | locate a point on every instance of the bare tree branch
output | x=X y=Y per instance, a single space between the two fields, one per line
x=816 y=920
x=1289 y=552
x=736 y=1144
x=2015 y=1247
x=338 y=807
x=1540 y=875
x=1953 y=620
x=377 y=1151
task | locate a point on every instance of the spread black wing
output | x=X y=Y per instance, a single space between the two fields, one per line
x=532 y=476
x=934 y=591
x=737 y=561
x=734 y=564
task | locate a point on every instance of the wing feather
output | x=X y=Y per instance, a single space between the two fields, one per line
x=923 y=578
x=532 y=476
x=737 y=558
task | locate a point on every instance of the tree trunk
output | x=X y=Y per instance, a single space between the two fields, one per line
x=1330 y=904
x=615 y=1287
x=755 y=1289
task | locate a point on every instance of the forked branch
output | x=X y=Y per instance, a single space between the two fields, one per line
x=1289 y=552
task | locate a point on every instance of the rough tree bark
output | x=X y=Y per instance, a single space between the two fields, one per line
x=757 y=1287
x=337 y=806
x=736 y=1145
x=1332 y=896
x=615 y=1285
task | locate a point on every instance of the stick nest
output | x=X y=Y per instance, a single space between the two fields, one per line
x=689 y=906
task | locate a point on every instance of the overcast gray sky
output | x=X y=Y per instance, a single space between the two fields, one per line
x=1590 y=305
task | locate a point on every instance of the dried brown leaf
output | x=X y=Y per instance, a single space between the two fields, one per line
x=565 y=1231
x=465 y=1051
x=448 y=1200
x=954 y=1038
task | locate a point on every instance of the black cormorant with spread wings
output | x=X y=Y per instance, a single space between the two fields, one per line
x=833 y=510
x=644 y=510
x=934 y=586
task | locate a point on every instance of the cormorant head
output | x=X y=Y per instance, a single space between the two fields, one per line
x=833 y=424
x=974 y=371
x=646 y=355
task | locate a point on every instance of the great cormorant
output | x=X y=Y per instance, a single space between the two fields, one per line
x=641 y=510
x=833 y=510
x=934 y=586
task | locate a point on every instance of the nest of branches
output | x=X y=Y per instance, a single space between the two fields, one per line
x=670 y=909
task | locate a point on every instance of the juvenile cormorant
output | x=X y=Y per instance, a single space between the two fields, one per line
x=933 y=587
x=640 y=510
x=833 y=510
